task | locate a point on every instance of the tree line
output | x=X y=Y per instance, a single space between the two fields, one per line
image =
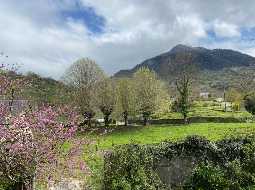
x=138 y=96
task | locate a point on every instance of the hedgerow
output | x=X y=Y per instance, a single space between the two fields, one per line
x=226 y=164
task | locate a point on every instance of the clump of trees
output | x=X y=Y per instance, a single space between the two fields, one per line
x=94 y=92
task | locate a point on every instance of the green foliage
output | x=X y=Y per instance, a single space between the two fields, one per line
x=207 y=177
x=227 y=164
x=45 y=90
x=249 y=103
x=106 y=98
x=205 y=109
x=130 y=168
x=125 y=105
x=147 y=92
x=5 y=185
x=236 y=106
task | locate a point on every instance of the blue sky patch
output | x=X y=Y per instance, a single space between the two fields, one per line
x=248 y=34
x=213 y=37
x=94 y=22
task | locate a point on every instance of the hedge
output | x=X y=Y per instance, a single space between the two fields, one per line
x=226 y=164
x=193 y=120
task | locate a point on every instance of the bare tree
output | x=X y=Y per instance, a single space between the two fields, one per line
x=83 y=76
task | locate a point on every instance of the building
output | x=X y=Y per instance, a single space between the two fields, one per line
x=204 y=95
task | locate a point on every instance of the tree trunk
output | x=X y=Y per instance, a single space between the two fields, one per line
x=146 y=116
x=185 y=119
x=19 y=186
x=125 y=115
x=89 y=122
x=145 y=121
x=106 y=120
x=23 y=186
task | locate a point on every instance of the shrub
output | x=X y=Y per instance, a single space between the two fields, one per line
x=249 y=103
x=130 y=167
x=209 y=177
x=226 y=164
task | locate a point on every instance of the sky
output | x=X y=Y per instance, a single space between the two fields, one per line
x=47 y=36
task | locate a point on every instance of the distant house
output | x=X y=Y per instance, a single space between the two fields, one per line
x=219 y=100
x=204 y=95
x=100 y=120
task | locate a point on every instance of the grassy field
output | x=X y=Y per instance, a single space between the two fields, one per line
x=206 y=109
x=158 y=133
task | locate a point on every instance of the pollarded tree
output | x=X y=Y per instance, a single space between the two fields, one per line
x=146 y=92
x=106 y=98
x=125 y=98
x=83 y=76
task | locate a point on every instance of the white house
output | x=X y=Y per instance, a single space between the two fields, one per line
x=204 y=95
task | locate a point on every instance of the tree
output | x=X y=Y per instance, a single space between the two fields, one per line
x=183 y=86
x=184 y=80
x=146 y=92
x=106 y=98
x=249 y=103
x=235 y=97
x=83 y=76
x=125 y=98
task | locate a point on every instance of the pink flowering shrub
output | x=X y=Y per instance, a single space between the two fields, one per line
x=31 y=140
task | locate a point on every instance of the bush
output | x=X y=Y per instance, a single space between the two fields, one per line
x=249 y=103
x=236 y=173
x=226 y=164
x=130 y=168
x=209 y=177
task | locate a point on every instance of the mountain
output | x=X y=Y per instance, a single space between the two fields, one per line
x=206 y=60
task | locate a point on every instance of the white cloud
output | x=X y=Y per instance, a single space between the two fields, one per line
x=35 y=34
x=223 y=29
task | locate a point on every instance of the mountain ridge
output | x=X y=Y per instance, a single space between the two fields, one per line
x=205 y=59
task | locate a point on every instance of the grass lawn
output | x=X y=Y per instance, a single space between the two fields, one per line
x=157 y=133
x=206 y=109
